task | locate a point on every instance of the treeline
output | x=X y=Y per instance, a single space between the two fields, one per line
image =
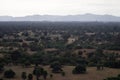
x=67 y=58
x=80 y=26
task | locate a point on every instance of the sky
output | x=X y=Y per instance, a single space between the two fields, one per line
x=58 y=7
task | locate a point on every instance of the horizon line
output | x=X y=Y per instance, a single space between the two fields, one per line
x=58 y=15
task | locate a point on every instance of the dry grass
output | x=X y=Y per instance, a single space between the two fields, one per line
x=92 y=73
x=50 y=49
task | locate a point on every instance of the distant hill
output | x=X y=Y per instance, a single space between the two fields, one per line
x=85 y=18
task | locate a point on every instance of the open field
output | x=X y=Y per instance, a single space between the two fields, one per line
x=92 y=73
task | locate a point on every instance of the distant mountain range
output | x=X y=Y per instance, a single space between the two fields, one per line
x=84 y=17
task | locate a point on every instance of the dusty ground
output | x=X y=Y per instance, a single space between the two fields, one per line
x=92 y=73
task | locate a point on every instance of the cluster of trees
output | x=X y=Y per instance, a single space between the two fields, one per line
x=97 y=58
x=24 y=76
x=11 y=74
x=39 y=71
x=65 y=29
x=101 y=59
x=109 y=38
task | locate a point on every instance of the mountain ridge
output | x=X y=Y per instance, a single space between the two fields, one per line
x=83 y=17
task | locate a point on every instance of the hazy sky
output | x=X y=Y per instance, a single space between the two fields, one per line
x=59 y=7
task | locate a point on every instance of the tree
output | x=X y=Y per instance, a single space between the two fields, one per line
x=56 y=67
x=38 y=72
x=80 y=53
x=45 y=74
x=27 y=63
x=113 y=64
x=1 y=79
x=100 y=66
x=15 y=56
x=9 y=74
x=99 y=53
x=30 y=77
x=1 y=68
x=23 y=75
x=79 y=69
x=51 y=75
x=63 y=73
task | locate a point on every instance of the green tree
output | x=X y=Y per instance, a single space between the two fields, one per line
x=1 y=68
x=63 y=73
x=24 y=75
x=45 y=74
x=30 y=77
x=51 y=75
x=27 y=63
x=79 y=69
x=38 y=72
x=56 y=67
x=9 y=74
